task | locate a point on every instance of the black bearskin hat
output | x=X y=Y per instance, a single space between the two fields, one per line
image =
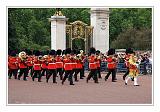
x=37 y=53
x=78 y=52
x=92 y=50
x=29 y=52
x=97 y=52
x=129 y=51
x=52 y=52
x=13 y=53
x=111 y=51
x=59 y=51
x=63 y=52
x=73 y=51
x=68 y=51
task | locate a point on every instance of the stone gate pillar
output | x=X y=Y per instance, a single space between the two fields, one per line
x=100 y=22
x=58 y=32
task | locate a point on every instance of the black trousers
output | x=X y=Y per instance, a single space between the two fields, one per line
x=31 y=70
x=68 y=74
x=44 y=71
x=99 y=72
x=59 y=70
x=93 y=73
x=126 y=73
x=14 y=72
x=24 y=72
x=113 y=71
x=76 y=73
x=37 y=73
x=50 y=73
x=82 y=73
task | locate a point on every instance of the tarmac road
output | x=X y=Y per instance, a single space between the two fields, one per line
x=105 y=92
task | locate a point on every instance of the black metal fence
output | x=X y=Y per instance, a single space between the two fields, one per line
x=145 y=68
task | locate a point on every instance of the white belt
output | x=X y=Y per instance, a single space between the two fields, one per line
x=92 y=63
x=37 y=64
x=59 y=62
x=52 y=63
x=68 y=63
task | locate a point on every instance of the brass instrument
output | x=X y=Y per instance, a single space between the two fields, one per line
x=22 y=55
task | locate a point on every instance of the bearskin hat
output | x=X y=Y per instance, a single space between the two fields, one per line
x=13 y=53
x=37 y=53
x=129 y=51
x=68 y=51
x=29 y=52
x=52 y=52
x=74 y=51
x=92 y=50
x=59 y=52
x=78 y=52
x=111 y=51
x=63 y=52
x=97 y=52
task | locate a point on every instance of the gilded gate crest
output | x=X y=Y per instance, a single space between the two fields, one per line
x=79 y=30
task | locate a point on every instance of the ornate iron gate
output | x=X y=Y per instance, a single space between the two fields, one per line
x=79 y=36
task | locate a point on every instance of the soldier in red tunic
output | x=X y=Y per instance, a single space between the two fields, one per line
x=98 y=63
x=30 y=62
x=73 y=61
x=13 y=65
x=22 y=61
x=59 y=63
x=92 y=66
x=79 y=67
x=68 y=67
x=111 y=64
x=44 y=65
x=51 y=66
x=83 y=57
x=37 y=66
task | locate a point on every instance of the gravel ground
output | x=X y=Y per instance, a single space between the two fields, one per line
x=105 y=92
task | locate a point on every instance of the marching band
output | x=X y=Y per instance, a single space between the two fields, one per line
x=68 y=64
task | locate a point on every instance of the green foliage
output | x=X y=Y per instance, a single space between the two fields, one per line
x=30 y=27
x=122 y=19
x=139 y=39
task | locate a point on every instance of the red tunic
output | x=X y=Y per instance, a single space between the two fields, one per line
x=74 y=64
x=92 y=64
x=13 y=62
x=98 y=63
x=30 y=61
x=22 y=63
x=51 y=63
x=110 y=63
x=59 y=62
x=79 y=64
x=44 y=64
x=67 y=64
x=37 y=65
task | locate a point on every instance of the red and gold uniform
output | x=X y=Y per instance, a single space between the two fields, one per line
x=133 y=70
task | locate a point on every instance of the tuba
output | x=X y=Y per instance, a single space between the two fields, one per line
x=22 y=55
